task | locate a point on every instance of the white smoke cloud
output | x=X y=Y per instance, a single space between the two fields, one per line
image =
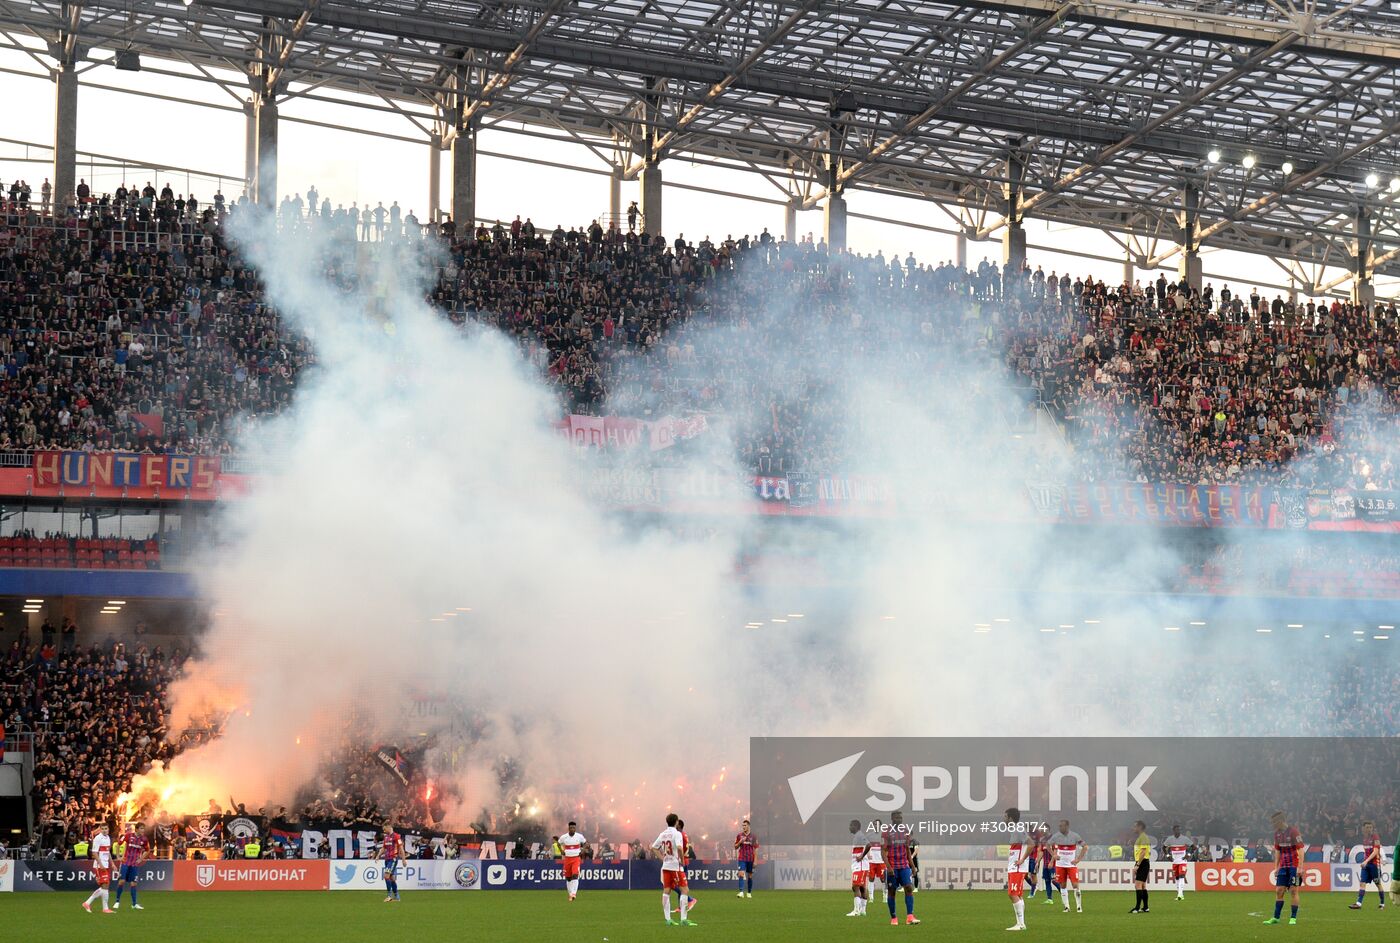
x=422 y=527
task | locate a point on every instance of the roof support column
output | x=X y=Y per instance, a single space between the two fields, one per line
x=651 y=199
x=1013 y=240
x=960 y=250
x=834 y=212
x=464 y=177
x=1363 y=292
x=434 y=176
x=265 y=118
x=651 y=171
x=790 y=219
x=615 y=198
x=65 y=133
x=67 y=54
x=1189 y=268
x=250 y=149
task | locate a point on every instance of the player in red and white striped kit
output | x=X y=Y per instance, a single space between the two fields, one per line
x=860 y=849
x=1017 y=864
x=1177 y=845
x=573 y=845
x=101 y=869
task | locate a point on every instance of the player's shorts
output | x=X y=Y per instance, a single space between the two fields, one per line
x=674 y=881
x=1370 y=873
x=1284 y=877
x=129 y=873
x=746 y=867
x=899 y=877
x=876 y=870
x=571 y=866
x=391 y=869
x=858 y=876
x=103 y=876
x=1064 y=875
x=1143 y=871
x=1016 y=883
x=1178 y=871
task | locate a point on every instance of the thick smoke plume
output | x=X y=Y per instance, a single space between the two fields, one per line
x=422 y=529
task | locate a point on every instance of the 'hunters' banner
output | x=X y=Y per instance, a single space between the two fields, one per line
x=126 y=471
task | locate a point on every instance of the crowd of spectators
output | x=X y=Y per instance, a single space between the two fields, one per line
x=133 y=323
x=97 y=713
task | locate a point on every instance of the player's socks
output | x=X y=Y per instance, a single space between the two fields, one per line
x=119 y=893
x=889 y=900
x=1360 y=896
x=133 y=897
x=1078 y=899
x=666 y=905
x=908 y=902
x=1278 y=909
x=1018 y=907
x=1293 y=913
x=685 y=906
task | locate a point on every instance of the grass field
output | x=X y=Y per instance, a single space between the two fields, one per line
x=635 y=917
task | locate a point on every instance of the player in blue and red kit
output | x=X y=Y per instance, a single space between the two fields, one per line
x=746 y=845
x=1288 y=866
x=133 y=855
x=392 y=852
x=1370 y=864
x=899 y=869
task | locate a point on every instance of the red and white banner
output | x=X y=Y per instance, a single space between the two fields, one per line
x=235 y=875
x=620 y=432
x=1227 y=876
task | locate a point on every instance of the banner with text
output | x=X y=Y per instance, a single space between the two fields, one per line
x=619 y=432
x=79 y=876
x=236 y=875
x=412 y=876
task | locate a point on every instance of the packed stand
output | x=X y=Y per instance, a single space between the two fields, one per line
x=98 y=715
x=132 y=323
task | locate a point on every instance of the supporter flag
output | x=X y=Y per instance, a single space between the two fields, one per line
x=2 y=743
x=150 y=422
x=395 y=762
x=288 y=835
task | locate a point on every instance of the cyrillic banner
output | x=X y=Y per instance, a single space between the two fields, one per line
x=257 y=875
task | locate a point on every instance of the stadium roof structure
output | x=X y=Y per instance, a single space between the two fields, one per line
x=1104 y=112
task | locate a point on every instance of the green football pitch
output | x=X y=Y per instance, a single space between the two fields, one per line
x=635 y=917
